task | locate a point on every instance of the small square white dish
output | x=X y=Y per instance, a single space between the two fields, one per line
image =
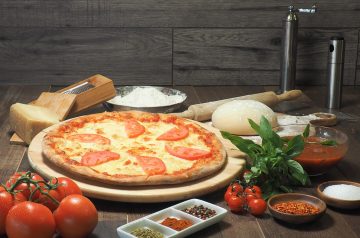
x=153 y=221
x=125 y=230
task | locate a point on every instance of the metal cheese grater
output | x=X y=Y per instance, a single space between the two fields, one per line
x=79 y=88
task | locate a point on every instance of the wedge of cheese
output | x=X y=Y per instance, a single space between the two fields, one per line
x=28 y=120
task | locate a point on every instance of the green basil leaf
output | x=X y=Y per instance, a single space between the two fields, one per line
x=255 y=126
x=286 y=188
x=306 y=131
x=268 y=148
x=257 y=149
x=255 y=170
x=329 y=143
x=301 y=178
x=240 y=143
x=266 y=133
x=295 y=146
x=262 y=166
x=297 y=172
x=294 y=166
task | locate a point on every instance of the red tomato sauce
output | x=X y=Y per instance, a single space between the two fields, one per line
x=317 y=158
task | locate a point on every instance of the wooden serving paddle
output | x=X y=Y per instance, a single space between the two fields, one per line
x=203 y=111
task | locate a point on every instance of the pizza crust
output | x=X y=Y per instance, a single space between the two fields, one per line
x=202 y=167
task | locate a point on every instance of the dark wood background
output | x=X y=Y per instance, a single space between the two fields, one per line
x=169 y=42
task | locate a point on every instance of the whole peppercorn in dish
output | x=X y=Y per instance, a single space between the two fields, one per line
x=200 y=212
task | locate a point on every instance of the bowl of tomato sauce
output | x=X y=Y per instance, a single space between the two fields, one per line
x=324 y=147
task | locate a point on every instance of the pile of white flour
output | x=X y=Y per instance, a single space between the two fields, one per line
x=146 y=97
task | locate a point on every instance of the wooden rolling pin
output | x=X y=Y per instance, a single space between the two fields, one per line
x=203 y=111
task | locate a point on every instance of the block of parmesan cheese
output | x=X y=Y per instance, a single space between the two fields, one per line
x=28 y=120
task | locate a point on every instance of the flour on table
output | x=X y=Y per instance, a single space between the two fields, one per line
x=147 y=97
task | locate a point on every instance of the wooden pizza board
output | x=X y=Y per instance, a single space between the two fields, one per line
x=139 y=194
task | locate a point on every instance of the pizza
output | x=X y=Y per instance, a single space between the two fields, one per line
x=134 y=148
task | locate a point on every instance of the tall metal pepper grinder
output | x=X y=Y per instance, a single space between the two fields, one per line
x=289 y=45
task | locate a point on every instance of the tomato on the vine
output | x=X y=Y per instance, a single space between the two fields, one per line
x=233 y=189
x=256 y=190
x=7 y=201
x=257 y=206
x=236 y=187
x=250 y=197
x=25 y=188
x=29 y=220
x=47 y=201
x=66 y=187
x=236 y=203
x=76 y=216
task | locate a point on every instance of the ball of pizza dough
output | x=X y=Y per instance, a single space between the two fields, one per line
x=233 y=116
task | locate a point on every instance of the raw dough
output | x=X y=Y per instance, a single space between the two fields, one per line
x=233 y=116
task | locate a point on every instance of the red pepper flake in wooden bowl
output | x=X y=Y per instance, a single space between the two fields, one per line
x=176 y=224
x=296 y=208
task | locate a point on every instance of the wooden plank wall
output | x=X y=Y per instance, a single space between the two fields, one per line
x=169 y=42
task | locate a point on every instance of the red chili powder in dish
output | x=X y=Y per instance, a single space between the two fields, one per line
x=176 y=224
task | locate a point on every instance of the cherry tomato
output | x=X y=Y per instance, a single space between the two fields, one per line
x=233 y=189
x=236 y=203
x=256 y=190
x=29 y=220
x=25 y=188
x=228 y=194
x=257 y=206
x=76 y=216
x=47 y=201
x=236 y=187
x=7 y=201
x=250 y=197
x=66 y=187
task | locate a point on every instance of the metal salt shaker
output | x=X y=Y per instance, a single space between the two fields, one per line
x=335 y=72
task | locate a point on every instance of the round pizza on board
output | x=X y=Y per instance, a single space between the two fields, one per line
x=134 y=148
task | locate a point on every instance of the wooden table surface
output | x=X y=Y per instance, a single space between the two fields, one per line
x=335 y=223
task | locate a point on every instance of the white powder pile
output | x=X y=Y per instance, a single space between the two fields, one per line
x=343 y=191
x=147 y=97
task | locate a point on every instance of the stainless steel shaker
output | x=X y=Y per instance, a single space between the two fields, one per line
x=289 y=46
x=335 y=71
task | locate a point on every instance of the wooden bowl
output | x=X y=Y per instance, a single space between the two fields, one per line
x=291 y=218
x=335 y=202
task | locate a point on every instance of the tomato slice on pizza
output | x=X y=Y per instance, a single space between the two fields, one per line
x=133 y=128
x=98 y=157
x=151 y=165
x=176 y=133
x=187 y=152
x=89 y=138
